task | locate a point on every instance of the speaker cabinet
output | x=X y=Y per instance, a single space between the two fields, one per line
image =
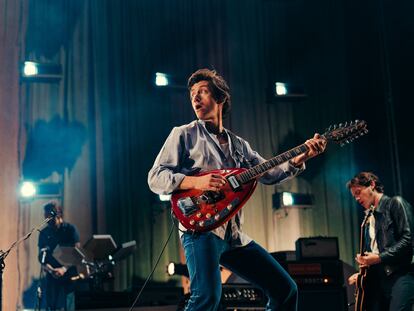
x=317 y=248
x=324 y=299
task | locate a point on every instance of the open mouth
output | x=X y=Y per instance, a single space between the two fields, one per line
x=198 y=106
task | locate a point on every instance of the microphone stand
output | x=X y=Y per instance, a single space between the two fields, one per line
x=39 y=292
x=4 y=254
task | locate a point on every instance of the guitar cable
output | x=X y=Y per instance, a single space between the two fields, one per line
x=153 y=269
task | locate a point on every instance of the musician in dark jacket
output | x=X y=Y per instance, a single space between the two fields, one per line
x=389 y=244
x=58 y=285
x=205 y=145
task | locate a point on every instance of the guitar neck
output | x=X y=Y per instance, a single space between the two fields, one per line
x=259 y=169
x=362 y=236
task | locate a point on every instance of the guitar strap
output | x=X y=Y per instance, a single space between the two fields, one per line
x=238 y=150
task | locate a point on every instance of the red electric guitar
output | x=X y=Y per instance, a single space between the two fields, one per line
x=202 y=211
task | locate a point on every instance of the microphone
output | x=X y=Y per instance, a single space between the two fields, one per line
x=44 y=251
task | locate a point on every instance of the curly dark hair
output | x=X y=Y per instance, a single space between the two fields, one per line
x=219 y=87
x=365 y=179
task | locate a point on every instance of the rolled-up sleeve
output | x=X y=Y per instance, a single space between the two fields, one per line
x=278 y=174
x=164 y=176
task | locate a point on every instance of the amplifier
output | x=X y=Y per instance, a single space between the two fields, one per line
x=321 y=273
x=151 y=296
x=242 y=297
x=317 y=248
x=238 y=297
x=327 y=299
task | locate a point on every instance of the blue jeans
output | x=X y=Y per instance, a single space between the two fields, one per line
x=205 y=252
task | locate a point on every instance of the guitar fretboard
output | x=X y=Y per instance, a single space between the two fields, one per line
x=259 y=169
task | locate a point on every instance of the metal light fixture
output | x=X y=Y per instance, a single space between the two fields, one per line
x=282 y=91
x=30 y=190
x=32 y=71
x=177 y=269
x=290 y=199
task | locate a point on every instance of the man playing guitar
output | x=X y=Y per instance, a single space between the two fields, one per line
x=389 y=243
x=205 y=145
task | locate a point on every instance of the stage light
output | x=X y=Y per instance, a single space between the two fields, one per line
x=32 y=71
x=164 y=197
x=282 y=91
x=280 y=88
x=27 y=189
x=161 y=79
x=289 y=199
x=171 y=268
x=177 y=269
x=31 y=190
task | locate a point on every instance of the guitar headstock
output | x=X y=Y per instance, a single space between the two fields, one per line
x=344 y=133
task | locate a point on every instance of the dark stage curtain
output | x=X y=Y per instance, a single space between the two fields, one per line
x=110 y=51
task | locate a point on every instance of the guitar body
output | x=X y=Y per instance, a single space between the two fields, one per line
x=360 y=297
x=203 y=211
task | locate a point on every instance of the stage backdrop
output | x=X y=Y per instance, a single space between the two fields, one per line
x=110 y=51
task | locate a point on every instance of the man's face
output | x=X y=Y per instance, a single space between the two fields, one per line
x=204 y=105
x=363 y=195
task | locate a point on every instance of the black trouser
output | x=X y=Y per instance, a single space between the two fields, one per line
x=389 y=293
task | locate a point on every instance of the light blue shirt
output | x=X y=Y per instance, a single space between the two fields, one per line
x=191 y=149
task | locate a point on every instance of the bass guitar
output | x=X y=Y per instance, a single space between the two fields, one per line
x=360 y=301
x=202 y=211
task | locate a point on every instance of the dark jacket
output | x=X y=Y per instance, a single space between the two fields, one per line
x=394 y=233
